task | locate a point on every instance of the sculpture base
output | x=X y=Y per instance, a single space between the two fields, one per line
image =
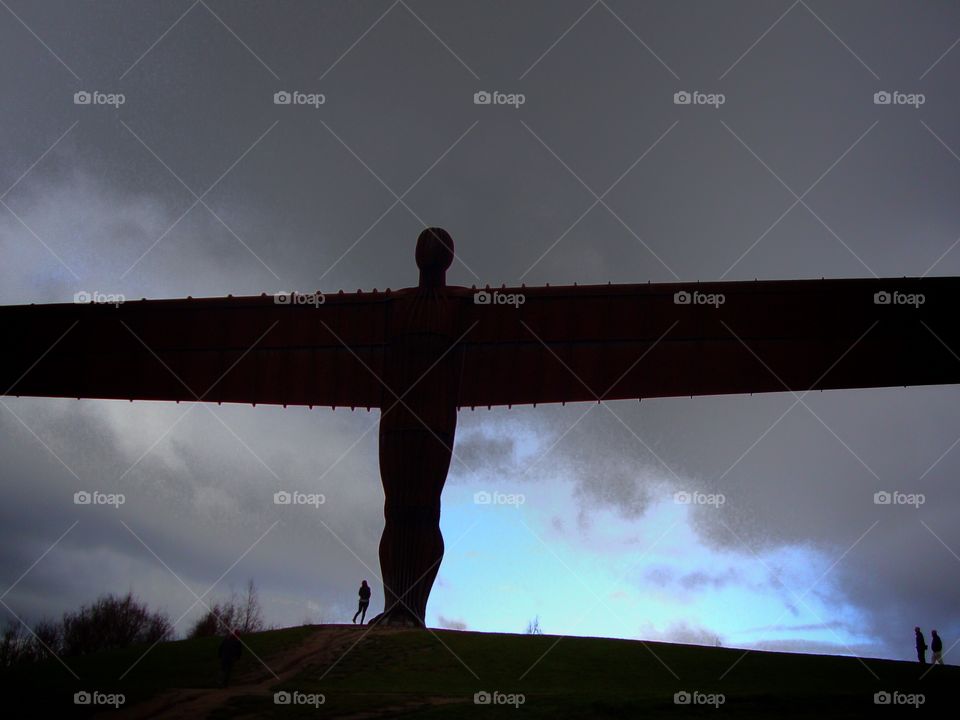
x=397 y=617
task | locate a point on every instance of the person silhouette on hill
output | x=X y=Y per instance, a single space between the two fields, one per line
x=364 y=602
x=921 y=646
x=230 y=649
x=936 y=646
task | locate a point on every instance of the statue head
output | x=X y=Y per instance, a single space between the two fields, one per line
x=434 y=255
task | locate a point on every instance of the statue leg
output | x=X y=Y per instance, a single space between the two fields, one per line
x=413 y=467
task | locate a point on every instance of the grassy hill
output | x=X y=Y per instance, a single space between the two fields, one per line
x=384 y=672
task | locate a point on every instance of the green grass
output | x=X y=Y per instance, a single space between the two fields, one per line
x=426 y=674
x=595 y=677
x=182 y=664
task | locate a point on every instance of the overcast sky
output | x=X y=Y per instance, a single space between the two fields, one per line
x=784 y=166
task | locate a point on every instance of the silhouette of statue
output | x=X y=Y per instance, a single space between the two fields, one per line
x=417 y=427
x=421 y=354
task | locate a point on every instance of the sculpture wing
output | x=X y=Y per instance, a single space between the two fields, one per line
x=611 y=342
x=233 y=349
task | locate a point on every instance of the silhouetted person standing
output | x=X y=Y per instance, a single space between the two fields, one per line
x=230 y=649
x=364 y=602
x=921 y=646
x=936 y=646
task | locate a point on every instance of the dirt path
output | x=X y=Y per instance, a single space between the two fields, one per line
x=326 y=645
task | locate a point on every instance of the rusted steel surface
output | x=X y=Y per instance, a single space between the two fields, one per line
x=562 y=344
x=238 y=349
x=565 y=344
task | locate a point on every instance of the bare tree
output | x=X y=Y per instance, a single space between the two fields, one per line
x=244 y=615
x=12 y=645
x=251 y=615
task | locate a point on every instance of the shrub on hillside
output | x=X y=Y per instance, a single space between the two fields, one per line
x=112 y=622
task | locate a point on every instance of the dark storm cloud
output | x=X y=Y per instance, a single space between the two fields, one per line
x=494 y=454
x=306 y=198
